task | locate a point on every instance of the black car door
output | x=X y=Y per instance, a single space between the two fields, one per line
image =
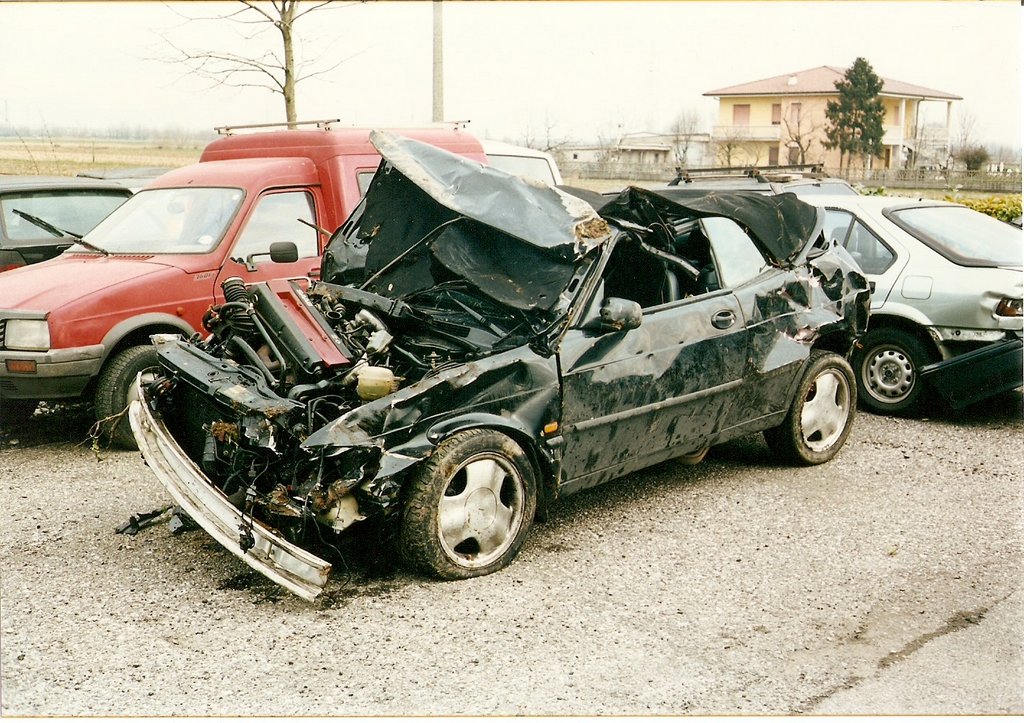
x=635 y=397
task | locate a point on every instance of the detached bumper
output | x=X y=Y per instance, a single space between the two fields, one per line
x=273 y=556
x=979 y=374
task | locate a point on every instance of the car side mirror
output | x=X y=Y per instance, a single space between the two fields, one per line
x=284 y=252
x=620 y=314
x=281 y=252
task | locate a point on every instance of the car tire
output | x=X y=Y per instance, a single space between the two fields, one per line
x=821 y=414
x=15 y=411
x=887 y=363
x=115 y=390
x=469 y=506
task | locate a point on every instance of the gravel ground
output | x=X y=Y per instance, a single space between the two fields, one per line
x=885 y=582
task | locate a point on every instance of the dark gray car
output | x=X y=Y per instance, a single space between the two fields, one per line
x=40 y=216
x=507 y=345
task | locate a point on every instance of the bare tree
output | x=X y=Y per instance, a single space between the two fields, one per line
x=273 y=70
x=801 y=131
x=965 y=148
x=734 y=147
x=681 y=132
x=547 y=140
x=964 y=131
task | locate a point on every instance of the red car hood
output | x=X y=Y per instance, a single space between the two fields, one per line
x=49 y=285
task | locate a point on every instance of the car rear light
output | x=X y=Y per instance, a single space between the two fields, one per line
x=1009 y=307
x=10 y=260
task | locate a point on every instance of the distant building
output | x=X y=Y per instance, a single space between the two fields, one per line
x=636 y=155
x=781 y=120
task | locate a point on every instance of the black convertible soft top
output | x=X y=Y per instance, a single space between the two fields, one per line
x=781 y=225
x=432 y=216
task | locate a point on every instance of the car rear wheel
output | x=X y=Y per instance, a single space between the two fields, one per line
x=888 y=365
x=470 y=506
x=116 y=389
x=821 y=414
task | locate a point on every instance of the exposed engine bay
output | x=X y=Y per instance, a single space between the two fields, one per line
x=351 y=347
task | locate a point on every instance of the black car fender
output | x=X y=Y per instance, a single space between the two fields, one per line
x=399 y=461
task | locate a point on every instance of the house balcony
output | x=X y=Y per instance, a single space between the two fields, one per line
x=746 y=133
x=928 y=138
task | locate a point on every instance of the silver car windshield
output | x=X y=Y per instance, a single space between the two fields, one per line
x=963 y=235
x=167 y=221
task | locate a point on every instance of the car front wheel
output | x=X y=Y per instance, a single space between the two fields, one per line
x=821 y=414
x=469 y=507
x=115 y=388
x=888 y=365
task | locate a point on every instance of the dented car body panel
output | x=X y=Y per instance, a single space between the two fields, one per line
x=598 y=343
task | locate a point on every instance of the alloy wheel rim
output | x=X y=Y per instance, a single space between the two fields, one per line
x=481 y=510
x=825 y=411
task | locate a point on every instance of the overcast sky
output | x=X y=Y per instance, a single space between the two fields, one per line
x=575 y=70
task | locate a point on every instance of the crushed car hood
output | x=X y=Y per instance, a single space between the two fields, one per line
x=431 y=217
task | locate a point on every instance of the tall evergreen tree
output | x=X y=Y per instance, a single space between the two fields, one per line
x=855 y=119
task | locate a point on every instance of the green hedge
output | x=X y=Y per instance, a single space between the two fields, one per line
x=1005 y=208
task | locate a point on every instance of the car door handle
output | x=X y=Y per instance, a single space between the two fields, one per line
x=723 y=319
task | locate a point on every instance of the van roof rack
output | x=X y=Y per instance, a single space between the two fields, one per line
x=231 y=130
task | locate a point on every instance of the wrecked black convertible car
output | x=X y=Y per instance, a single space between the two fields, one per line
x=507 y=345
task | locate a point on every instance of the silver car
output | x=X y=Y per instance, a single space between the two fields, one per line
x=946 y=301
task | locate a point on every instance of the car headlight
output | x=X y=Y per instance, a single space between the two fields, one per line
x=27 y=335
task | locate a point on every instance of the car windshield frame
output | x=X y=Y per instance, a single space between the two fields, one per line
x=168 y=221
x=936 y=237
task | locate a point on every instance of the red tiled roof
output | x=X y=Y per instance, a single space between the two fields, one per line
x=822 y=81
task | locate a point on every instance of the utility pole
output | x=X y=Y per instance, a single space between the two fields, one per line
x=438 y=112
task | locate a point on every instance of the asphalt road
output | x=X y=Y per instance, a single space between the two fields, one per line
x=888 y=581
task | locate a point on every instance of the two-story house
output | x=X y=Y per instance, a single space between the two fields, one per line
x=781 y=120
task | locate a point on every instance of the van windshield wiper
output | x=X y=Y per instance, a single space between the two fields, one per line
x=58 y=231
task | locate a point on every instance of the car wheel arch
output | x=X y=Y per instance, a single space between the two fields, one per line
x=917 y=329
x=887 y=364
x=545 y=464
x=137 y=330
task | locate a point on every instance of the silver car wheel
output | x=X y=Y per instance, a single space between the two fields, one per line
x=889 y=374
x=823 y=418
x=481 y=510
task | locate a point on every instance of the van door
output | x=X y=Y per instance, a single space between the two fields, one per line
x=275 y=217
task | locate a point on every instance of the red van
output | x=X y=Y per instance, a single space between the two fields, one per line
x=257 y=205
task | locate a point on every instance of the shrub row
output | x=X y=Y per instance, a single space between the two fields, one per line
x=1005 y=208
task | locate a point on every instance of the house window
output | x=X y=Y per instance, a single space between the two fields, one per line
x=794 y=155
x=741 y=114
x=776 y=114
x=773 y=156
x=794 y=113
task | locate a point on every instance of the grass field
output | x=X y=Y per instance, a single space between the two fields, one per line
x=71 y=156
